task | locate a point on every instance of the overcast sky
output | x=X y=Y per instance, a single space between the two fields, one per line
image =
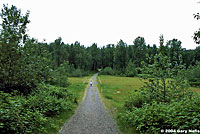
x=107 y=21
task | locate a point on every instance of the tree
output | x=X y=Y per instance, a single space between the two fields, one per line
x=162 y=48
x=175 y=51
x=196 y=36
x=108 y=58
x=36 y=60
x=120 y=56
x=59 y=54
x=164 y=85
x=189 y=57
x=95 y=56
x=14 y=25
x=160 y=87
x=12 y=34
x=139 y=50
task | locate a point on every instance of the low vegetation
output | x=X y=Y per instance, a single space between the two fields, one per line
x=29 y=114
x=44 y=110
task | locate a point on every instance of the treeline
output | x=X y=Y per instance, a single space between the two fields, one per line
x=117 y=57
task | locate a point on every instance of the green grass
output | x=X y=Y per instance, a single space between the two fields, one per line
x=114 y=89
x=77 y=87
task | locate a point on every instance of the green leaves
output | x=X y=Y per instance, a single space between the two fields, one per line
x=14 y=25
x=131 y=70
x=19 y=114
x=156 y=116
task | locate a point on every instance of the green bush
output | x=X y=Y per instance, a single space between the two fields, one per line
x=131 y=70
x=195 y=84
x=193 y=74
x=20 y=114
x=151 y=118
x=144 y=75
x=16 y=118
x=107 y=71
x=51 y=100
x=135 y=99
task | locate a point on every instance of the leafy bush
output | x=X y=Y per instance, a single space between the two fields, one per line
x=195 y=84
x=144 y=76
x=19 y=114
x=107 y=71
x=130 y=69
x=193 y=75
x=135 y=99
x=15 y=117
x=51 y=100
x=151 y=118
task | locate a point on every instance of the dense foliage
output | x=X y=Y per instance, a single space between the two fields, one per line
x=27 y=103
x=156 y=116
x=29 y=114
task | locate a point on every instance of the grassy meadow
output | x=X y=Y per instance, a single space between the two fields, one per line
x=114 y=89
x=77 y=87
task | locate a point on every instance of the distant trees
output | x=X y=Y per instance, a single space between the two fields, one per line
x=120 y=56
x=107 y=56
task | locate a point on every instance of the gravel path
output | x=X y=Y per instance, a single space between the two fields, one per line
x=91 y=116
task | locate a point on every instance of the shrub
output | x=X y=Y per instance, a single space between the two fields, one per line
x=19 y=114
x=15 y=117
x=151 y=118
x=130 y=69
x=195 y=84
x=107 y=71
x=144 y=76
x=193 y=75
x=135 y=99
x=51 y=100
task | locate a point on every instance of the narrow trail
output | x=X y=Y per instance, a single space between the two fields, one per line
x=91 y=116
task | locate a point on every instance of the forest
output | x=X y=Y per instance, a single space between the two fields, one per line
x=34 y=78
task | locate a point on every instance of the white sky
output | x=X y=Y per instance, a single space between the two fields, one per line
x=108 y=21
